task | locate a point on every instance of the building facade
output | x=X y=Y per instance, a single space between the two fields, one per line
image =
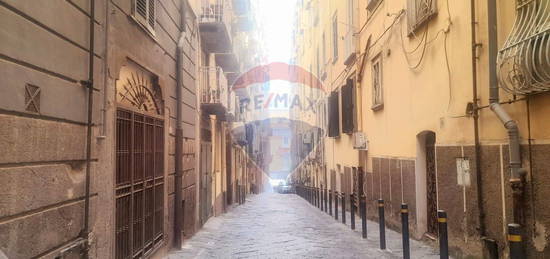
x=106 y=115
x=433 y=105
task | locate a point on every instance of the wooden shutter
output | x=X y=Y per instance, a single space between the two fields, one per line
x=348 y=107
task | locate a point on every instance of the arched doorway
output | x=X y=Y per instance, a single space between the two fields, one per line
x=139 y=173
x=426 y=183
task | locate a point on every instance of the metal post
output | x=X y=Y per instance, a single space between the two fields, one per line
x=336 y=205
x=352 y=210
x=382 y=224
x=405 y=230
x=443 y=239
x=326 y=197
x=316 y=193
x=321 y=198
x=343 y=207
x=330 y=202
x=363 y=209
x=515 y=241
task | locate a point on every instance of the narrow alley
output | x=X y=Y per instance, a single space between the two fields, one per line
x=273 y=225
x=152 y=129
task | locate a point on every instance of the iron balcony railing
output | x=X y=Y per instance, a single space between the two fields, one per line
x=213 y=86
x=216 y=11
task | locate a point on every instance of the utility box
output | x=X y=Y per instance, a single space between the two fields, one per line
x=463 y=171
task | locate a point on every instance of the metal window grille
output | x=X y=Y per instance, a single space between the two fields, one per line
x=524 y=61
x=419 y=12
x=377 y=90
x=139 y=184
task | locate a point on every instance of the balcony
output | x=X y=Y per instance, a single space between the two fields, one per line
x=215 y=25
x=214 y=91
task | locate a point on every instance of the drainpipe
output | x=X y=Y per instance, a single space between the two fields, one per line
x=476 y=121
x=178 y=182
x=90 y=84
x=516 y=171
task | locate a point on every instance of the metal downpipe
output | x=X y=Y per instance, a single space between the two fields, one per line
x=479 y=177
x=90 y=85
x=516 y=171
x=178 y=181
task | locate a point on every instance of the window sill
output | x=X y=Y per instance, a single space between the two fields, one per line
x=377 y=107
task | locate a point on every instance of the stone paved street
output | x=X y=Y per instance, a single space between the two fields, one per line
x=272 y=225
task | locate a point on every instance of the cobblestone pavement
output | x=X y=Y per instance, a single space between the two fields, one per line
x=272 y=225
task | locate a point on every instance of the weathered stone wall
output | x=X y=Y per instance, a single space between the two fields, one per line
x=157 y=53
x=43 y=152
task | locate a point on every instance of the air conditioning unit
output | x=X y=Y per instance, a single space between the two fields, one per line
x=360 y=141
x=372 y=4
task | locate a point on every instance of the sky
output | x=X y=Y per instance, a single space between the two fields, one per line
x=276 y=21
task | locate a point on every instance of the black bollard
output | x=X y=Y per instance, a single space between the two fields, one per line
x=313 y=201
x=314 y=196
x=321 y=195
x=352 y=210
x=343 y=207
x=405 y=231
x=318 y=193
x=363 y=211
x=326 y=197
x=336 y=205
x=515 y=241
x=330 y=202
x=443 y=239
x=382 y=224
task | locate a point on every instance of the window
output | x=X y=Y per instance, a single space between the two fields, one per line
x=419 y=12
x=377 y=92
x=334 y=38
x=144 y=13
x=334 y=115
x=349 y=40
x=348 y=107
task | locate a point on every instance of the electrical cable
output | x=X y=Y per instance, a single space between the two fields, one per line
x=413 y=67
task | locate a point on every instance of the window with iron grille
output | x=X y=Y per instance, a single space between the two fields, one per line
x=334 y=115
x=348 y=107
x=377 y=88
x=419 y=12
x=144 y=13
